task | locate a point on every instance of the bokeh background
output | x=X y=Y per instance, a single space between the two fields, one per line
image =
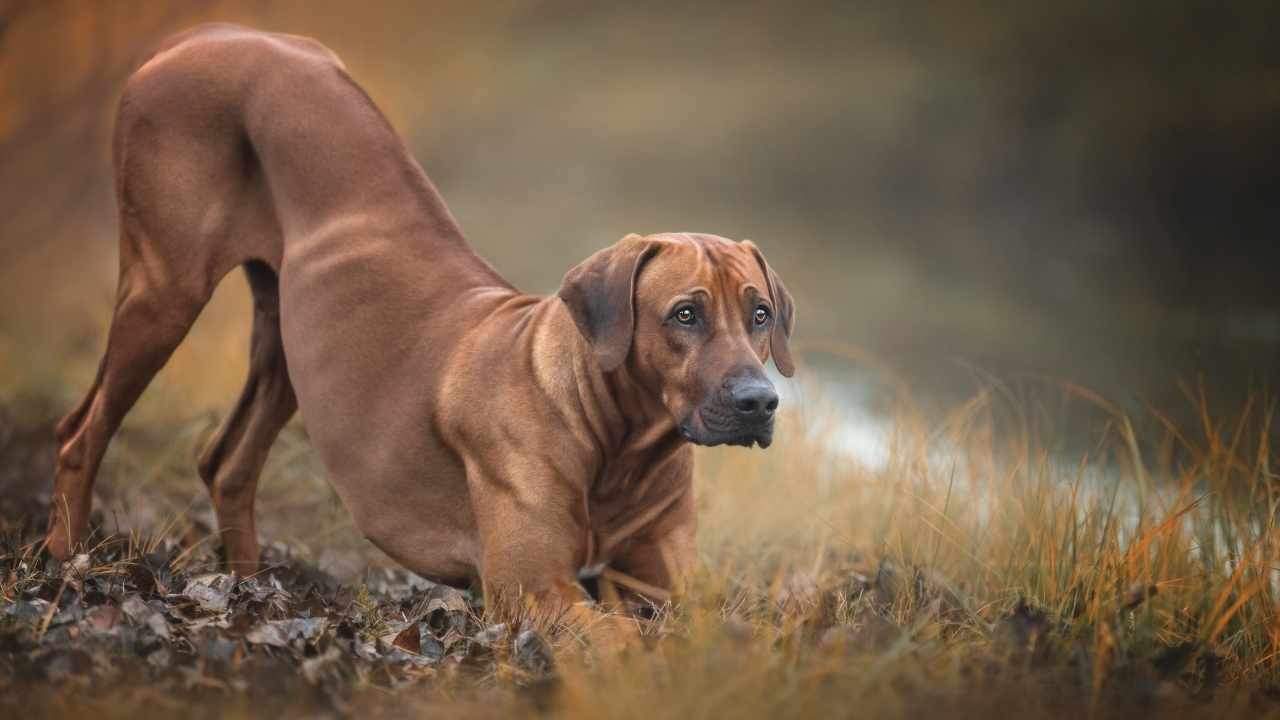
x=992 y=216
x=955 y=192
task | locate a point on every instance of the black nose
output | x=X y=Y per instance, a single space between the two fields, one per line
x=754 y=400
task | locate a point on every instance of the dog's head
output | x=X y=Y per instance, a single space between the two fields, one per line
x=693 y=317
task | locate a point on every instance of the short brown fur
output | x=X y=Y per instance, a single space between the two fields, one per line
x=474 y=432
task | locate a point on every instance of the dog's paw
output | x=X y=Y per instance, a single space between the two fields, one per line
x=608 y=634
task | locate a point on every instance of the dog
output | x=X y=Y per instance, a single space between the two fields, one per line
x=475 y=433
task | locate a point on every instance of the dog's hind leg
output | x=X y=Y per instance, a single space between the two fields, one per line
x=233 y=460
x=150 y=320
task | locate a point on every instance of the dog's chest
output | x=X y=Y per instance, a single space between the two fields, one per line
x=626 y=505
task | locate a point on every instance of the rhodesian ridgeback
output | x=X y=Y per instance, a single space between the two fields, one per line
x=474 y=432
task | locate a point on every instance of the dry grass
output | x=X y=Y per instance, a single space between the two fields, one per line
x=976 y=571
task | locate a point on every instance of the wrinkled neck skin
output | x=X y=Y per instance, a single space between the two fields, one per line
x=641 y=462
x=639 y=425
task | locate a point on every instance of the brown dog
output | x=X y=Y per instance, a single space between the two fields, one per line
x=472 y=430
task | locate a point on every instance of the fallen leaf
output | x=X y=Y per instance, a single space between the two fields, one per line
x=146 y=616
x=101 y=619
x=409 y=639
x=281 y=633
x=492 y=635
x=211 y=592
x=532 y=653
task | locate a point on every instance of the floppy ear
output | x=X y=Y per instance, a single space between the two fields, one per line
x=785 y=310
x=600 y=292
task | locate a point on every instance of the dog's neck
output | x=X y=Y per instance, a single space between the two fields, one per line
x=646 y=428
x=639 y=462
x=638 y=425
x=630 y=423
x=646 y=472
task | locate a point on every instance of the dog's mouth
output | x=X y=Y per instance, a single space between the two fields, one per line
x=708 y=428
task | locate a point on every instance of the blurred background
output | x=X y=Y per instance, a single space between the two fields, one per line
x=955 y=192
x=993 y=215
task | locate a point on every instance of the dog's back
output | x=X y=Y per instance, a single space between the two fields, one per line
x=199 y=123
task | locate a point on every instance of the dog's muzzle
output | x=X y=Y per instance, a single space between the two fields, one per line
x=741 y=414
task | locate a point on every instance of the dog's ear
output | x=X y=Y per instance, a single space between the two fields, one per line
x=600 y=294
x=784 y=310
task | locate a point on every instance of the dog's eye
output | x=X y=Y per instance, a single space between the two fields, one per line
x=762 y=315
x=685 y=315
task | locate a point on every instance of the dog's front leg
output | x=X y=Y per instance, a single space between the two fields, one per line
x=533 y=540
x=657 y=564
